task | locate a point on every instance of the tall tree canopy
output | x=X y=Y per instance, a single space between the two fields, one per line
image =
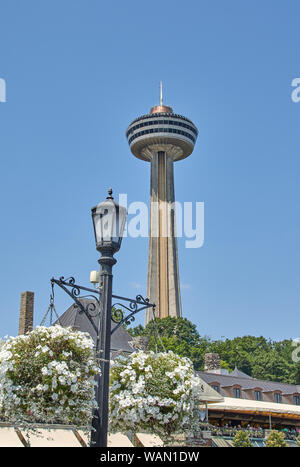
x=257 y=356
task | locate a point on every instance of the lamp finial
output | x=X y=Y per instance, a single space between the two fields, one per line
x=110 y=192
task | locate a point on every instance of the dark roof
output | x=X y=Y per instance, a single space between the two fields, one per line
x=73 y=317
x=237 y=377
x=239 y=374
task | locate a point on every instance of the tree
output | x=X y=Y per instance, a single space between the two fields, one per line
x=240 y=351
x=180 y=328
x=242 y=440
x=272 y=366
x=258 y=357
x=276 y=440
x=178 y=335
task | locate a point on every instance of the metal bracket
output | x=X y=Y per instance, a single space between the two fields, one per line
x=118 y=315
x=74 y=293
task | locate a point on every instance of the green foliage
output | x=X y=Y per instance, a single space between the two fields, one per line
x=276 y=440
x=178 y=335
x=178 y=328
x=242 y=440
x=258 y=357
x=225 y=365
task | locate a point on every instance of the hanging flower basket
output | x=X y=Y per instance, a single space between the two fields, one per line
x=47 y=376
x=153 y=393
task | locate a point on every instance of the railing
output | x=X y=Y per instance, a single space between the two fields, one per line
x=231 y=432
x=253 y=433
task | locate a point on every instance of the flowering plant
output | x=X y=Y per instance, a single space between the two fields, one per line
x=154 y=393
x=276 y=440
x=242 y=439
x=47 y=376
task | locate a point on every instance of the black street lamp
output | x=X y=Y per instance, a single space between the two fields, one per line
x=109 y=221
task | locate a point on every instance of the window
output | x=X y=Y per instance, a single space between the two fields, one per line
x=215 y=387
x=161 y=130
x=277 y=397
x=297 y=400
x=257 y=395
x=237 y=393
x=164 y=122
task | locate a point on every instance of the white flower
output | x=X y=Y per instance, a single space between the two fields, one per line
x=54 y=382
x=36 y=395
x=133 y=404
x=62 y=380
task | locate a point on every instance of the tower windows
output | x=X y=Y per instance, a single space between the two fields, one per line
x=161 y=130
x=163 y=122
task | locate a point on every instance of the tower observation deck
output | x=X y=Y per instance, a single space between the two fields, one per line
x=161 y=138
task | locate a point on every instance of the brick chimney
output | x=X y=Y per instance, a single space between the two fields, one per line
x=26 y=312
x=211 y=362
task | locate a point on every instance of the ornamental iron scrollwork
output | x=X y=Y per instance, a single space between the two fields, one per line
x=93 y=308
x=74 y=292
x=134 y=306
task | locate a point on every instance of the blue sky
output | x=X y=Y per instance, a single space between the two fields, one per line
x=77 y=73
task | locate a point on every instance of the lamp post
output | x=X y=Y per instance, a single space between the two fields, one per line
x=109 y=221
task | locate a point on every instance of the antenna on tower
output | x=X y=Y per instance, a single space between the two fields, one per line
x=160 y=94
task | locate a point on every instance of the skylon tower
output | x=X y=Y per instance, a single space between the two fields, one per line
x=162 y=138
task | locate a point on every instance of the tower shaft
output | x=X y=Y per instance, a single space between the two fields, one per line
x=163 y=286
x=162 y=138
